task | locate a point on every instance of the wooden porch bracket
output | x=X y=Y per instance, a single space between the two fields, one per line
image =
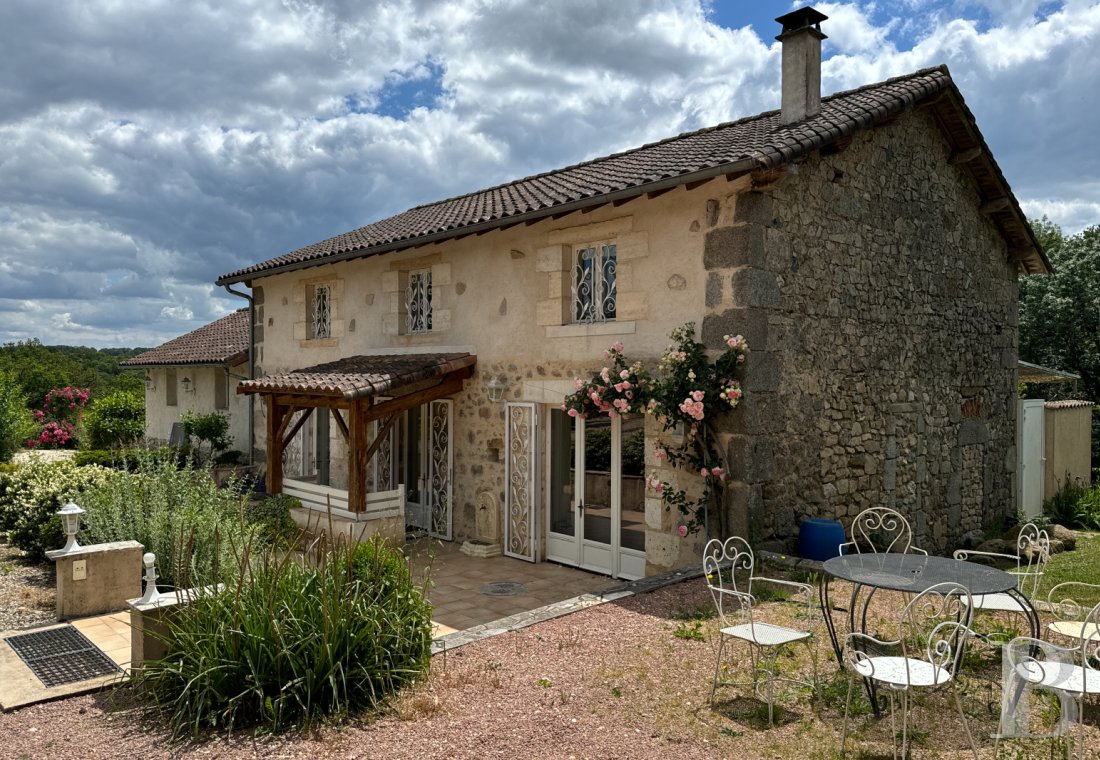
x=341 y=425
x=297 y=425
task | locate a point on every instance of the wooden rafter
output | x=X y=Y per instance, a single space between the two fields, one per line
x=448 y=387
x=297 y=425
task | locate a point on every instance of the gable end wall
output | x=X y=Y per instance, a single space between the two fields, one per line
x=881 y=313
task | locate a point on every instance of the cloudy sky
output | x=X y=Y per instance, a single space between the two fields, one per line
x=149 y=146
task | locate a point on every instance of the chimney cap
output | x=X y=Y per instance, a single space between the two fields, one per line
x=803 y=18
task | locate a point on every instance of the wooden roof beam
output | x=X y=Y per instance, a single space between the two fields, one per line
x=994 y=205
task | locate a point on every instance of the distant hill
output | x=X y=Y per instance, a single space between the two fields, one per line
x=40 y=368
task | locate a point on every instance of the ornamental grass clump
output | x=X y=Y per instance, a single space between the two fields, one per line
x=297 y=638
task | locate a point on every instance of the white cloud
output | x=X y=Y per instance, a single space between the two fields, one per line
x=150 y=147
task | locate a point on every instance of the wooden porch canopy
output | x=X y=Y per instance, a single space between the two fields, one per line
x=352 y=386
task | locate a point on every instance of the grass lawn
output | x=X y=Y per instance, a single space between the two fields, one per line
x=1081 y=564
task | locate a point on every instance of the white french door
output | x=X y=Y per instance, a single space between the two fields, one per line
x=425 y=465
x=595 y=494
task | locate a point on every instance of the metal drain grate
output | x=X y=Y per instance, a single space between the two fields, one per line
x=503 y=588
x=62 y=655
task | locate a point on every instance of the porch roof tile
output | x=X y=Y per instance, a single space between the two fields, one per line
x=359 y=376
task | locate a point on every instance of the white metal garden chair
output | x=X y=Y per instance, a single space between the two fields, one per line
x=1032 y=553
x=1070 y=611
x=1072 y=673
x=729 y=568
x=880 y=530
x=933 y=629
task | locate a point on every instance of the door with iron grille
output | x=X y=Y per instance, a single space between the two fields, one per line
x=520 y=487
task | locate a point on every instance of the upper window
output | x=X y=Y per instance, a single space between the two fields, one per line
x=418 y=301
x=594 y=284
x=320 y=312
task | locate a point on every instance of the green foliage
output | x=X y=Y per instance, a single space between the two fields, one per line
x=689 y=631
x=131 y=459
x=1075 y=505
x=1060 y=313
x=211 y=429
x=228 y=458
x=15 y=421
x=271 y=517
x=178 y=513
x=30 y=496
x=114 y=420
x=39 y=368
x=292 y=641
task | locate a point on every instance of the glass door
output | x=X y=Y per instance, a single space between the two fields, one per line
x=596 y=502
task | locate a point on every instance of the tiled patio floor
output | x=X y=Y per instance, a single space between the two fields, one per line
x=456 y=579
x=111 y=633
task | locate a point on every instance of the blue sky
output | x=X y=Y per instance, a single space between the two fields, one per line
x=147 y=147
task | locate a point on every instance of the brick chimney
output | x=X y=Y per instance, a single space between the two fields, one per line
x=801 y=38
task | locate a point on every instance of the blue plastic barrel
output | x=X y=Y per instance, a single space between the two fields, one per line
x=820 y=539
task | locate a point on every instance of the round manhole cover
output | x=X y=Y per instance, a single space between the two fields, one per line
x=503 y=588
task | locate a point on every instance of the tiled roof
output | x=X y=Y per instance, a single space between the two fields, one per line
x=733 y=148
x=1067 y=404
x=357 y=376
x=222 y=342
x=1027 y=372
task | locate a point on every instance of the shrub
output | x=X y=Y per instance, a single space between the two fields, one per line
x=178 y=513
x=211 y=429
x=271 y=517
x=1074 y=505
x=16 y=424
x=293 y=641
x=130 y=460
x=115 y=420
x=31 y=495
x=229 y=458
x=59 y=420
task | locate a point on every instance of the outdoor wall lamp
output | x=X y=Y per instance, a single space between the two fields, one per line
x=149 y=384
x=187 y=385
x=496 y=387
x=70 y=522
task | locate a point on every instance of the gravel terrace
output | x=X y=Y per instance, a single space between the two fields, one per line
x=26 y=591
x=612 y=681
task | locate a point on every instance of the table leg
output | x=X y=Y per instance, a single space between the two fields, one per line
x=827 y=613
x=1029 y=611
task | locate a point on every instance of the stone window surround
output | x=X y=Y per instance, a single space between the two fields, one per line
x=394 y=283
x=303 y=294
x=555 y=312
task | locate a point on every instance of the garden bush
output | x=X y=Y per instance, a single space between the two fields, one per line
x=178 y=513
x=16 y=423
x=210 y=429
x=115 y=420
x=293 y=640
x=1075 y=505
x=30 y=496
x=272 y=520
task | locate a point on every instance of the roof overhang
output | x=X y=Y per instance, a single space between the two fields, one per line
x=1027 y=372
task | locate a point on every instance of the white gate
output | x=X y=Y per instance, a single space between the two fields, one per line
x=519 y=480
x=440 y=467
x=1031 y=460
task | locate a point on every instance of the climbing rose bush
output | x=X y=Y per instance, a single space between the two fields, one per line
x=687 y=395
x=59 y=418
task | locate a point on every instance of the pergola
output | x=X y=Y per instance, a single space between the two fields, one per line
x=357 y=390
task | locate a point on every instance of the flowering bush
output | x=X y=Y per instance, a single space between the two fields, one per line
x=689 y=393
x=616 y=390
x=59 y=418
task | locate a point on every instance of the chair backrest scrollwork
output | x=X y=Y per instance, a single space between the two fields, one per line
x=880 y=530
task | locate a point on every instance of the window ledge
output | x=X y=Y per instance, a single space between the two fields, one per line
x=591 y=329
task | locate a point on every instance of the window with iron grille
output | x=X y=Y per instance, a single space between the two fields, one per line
x=418 y=302
x=320 y=312
x=594 y=284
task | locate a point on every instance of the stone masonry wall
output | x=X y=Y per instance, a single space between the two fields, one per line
x=881 y=313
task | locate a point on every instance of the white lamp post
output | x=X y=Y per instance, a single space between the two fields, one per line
x=151 y=594
x=70 y=522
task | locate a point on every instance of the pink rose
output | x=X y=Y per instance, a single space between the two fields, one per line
x=572 y=412
x=618 y=346
x=697 y=395
x=683 y=531
x=704 y=471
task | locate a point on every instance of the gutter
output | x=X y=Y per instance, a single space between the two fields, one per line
x=251 y=368
x=735 y=168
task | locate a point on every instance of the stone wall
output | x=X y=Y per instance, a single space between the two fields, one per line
x=881 y=313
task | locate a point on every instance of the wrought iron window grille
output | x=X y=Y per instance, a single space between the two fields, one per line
x=593 y=284
x=320 y=312
x=418 y=302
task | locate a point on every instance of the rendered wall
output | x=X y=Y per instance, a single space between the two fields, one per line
x=159 y=417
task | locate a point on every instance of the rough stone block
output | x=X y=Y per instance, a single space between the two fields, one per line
x=715 y=289
x=755 y=288
x=755 y=208
x=761 y=371
x=741 y=245
x=972 y=432
x=751 y=323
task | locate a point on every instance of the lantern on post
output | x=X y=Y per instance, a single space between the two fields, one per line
x=70 y=523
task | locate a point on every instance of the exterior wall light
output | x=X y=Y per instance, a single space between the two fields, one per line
x=70 y=522
x=149 y=384
x=188 y=386
x=496 y=387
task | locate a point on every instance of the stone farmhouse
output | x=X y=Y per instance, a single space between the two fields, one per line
x=866 y=244
x=198 y=372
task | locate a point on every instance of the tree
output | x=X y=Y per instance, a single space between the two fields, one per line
x=1060 y=312
x=15 y=421
x=117 y=419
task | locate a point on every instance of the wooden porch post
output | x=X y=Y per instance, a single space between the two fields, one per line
x=275 y=412
x=357 y=455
